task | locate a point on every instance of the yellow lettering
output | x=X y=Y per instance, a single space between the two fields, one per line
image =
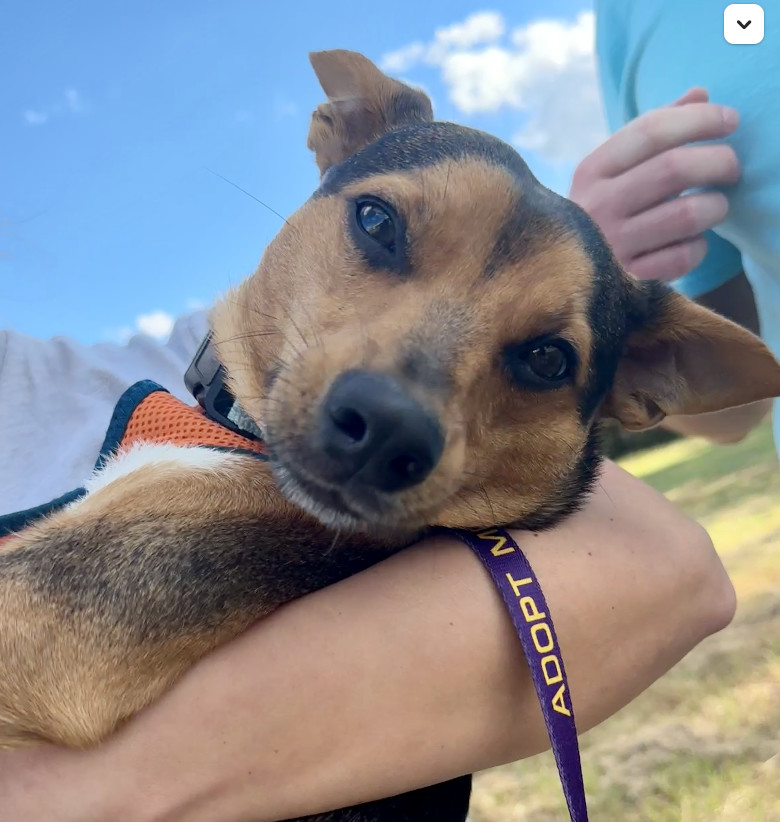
x=558 y=675
x=529 y=609
x=517 y=584
x=558 y=704
x=543 y=626
x=500 y=548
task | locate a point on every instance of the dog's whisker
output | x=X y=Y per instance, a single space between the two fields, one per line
x=249 y=335
x=313 y=326
x=476 y=476
x=253 y=308
x=263 y=398
x=288 y=340
x=447 y=180
x=252 y=196
x=297 y=329
x=421 y=178
x=484 y=492
x=600 y=484
x=334 y=543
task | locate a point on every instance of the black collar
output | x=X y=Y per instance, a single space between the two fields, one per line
x=205 y=380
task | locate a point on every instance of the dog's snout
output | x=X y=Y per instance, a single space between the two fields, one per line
x=378 y=433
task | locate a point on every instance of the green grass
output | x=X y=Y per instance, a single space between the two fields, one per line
x=703 y=743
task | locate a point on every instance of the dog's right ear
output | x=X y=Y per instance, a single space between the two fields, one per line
x=363 y=104
x=685 y=359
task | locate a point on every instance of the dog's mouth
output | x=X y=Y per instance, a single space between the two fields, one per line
x=325 y=503
x=348 y=506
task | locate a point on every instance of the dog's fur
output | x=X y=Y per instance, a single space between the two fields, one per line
x=173 y=552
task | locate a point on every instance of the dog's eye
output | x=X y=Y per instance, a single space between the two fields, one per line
x=548 y=362
x=378 y=232
x=545 y=363
x=377 y=222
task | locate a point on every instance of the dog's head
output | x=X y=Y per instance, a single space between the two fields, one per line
x=433 y=336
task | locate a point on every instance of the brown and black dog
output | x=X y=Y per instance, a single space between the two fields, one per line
x=431 y=339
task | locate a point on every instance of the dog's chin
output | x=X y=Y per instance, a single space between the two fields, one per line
x=337 y=509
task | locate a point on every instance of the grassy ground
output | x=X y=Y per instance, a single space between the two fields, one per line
x=704 y=742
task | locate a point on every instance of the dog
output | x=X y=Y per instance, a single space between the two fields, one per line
x=431 y=340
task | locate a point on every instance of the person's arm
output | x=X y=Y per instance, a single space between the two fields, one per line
x=734 y=299
x=404 y=675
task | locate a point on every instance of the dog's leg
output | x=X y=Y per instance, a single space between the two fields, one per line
x=104 y=605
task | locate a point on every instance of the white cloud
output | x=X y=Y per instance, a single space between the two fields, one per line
x=122 y=335
x=71 y=102
x=482 y=27
x=158 y=324
x=479 y=28
x=545 y=72
x=34 y=117
x=403 y=59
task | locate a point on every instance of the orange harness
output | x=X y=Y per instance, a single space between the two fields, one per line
x=147 y=413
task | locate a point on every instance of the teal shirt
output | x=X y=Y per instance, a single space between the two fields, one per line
x=650 y=52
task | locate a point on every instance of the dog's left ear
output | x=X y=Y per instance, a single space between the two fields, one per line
x=685 y=359
x=363 y=104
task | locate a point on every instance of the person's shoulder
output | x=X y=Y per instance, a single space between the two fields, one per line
x=102 y=366
x=647 y=56
x=4 y=335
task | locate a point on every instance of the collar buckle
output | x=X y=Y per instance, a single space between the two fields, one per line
x=205 y=380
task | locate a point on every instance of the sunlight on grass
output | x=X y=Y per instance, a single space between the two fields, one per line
x=703 y=744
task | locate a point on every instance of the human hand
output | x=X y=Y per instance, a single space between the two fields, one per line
x=631 y=185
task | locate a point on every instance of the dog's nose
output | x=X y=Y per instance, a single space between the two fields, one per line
x=378 y=433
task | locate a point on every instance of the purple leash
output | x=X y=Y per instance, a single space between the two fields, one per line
x=523 y=596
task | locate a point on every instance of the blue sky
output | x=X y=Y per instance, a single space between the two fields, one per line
x=110 y=218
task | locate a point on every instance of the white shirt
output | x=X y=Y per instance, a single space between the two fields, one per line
x=57 y=397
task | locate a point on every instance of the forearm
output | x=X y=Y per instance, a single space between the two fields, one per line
x=406 y=674
x=401 y=676
x=724 y=427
